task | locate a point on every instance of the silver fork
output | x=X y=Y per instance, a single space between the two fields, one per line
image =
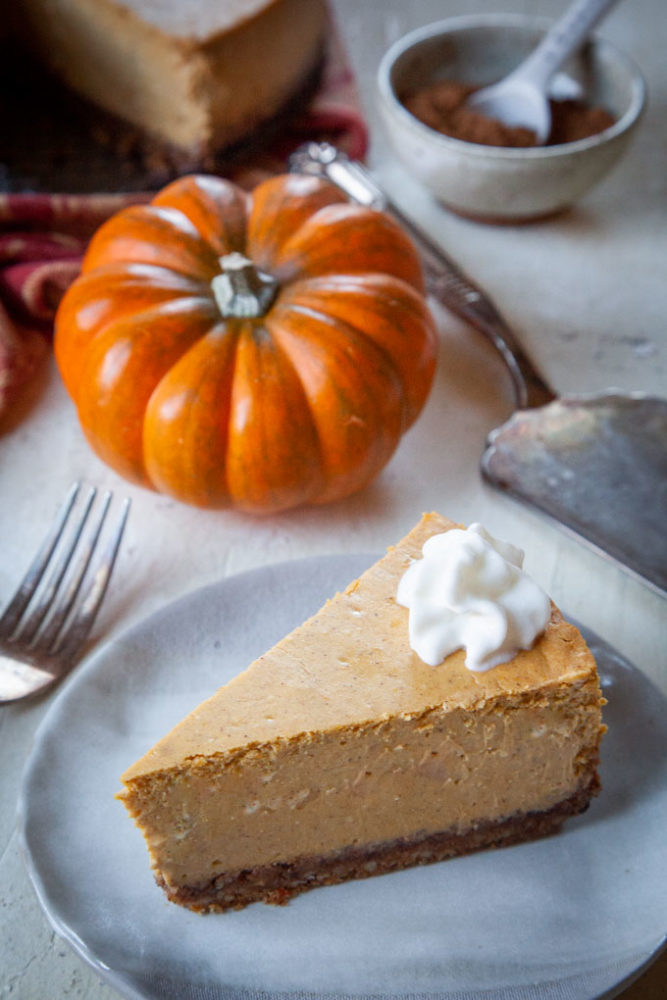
x=45 y=625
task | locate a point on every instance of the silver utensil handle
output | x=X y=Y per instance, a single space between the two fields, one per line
x=444 y=278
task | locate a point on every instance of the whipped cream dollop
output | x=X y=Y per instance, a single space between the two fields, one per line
x=469 y=592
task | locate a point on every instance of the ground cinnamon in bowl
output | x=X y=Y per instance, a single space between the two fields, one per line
x=442 y=106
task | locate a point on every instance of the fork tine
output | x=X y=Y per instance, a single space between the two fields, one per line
x=76 y=632
x=30 y=582
x=61 y=559
x=43 y=641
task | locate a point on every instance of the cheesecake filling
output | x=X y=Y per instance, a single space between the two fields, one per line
x=400 y=778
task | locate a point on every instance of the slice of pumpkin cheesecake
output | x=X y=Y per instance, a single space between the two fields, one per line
x=343 y=752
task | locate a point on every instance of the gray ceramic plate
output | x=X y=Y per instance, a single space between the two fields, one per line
x=569 y=917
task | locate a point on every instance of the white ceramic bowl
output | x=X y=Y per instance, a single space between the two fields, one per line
x=497 y=183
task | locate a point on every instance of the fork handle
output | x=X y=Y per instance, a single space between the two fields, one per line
x=444 y=278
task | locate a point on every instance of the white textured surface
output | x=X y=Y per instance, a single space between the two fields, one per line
x=587 y=294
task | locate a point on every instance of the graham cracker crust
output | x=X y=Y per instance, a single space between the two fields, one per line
x=280 y=882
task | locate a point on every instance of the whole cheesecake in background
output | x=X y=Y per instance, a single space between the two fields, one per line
x=195 y=75
x=341 y=754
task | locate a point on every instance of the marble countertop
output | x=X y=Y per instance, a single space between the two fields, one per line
x=586 y=293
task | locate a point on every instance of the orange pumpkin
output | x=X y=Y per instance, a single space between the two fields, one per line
x=251 y=351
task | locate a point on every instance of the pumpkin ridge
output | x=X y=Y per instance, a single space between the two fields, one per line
x=264 y=467
x=271 y=323
x=145 y=318
x=145 y=272
x=175 y=217
x=404 y=311
x=279 y=207
x=346 y=326
x=157 y=308
x=385 y=439
x=311 y=311
x=202 y=303
x=296 y=234
x=116 y=384
x=71 y=353
x=217 y=207
x=145 y=234
x=193 y=427
x=216 y=324
x=339 y=234
x=370 y=285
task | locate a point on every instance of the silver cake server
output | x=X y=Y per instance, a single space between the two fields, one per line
x=596 y=464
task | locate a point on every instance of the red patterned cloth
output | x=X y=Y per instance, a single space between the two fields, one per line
x=43 y=236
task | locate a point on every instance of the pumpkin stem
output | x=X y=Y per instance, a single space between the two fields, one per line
x=241 y=290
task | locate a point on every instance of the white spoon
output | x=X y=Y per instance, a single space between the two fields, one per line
x=521 y=97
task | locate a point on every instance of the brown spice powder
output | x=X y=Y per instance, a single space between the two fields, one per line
x=441 y=106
